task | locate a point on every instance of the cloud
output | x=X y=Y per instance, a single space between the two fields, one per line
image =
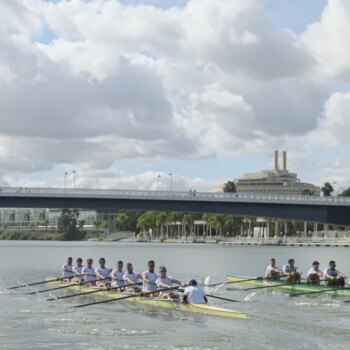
x=88 y=84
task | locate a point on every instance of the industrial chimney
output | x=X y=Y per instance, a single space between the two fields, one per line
x=276 y=160
x=285 y=160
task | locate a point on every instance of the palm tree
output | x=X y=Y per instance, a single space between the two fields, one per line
x=161 y=219
x=187 y=222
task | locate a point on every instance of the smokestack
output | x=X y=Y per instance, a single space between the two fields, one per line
x=276 y=160
x=285 y=160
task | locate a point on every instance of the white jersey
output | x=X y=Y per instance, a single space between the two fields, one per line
x=195 y=295
x=151 y=276
x=289 y=269
x=167 y=280
x=133 y=277
x=77 y=271
x=89 y=274
x=331 y=272
x=271 y=268
x=312 y=271
x=104 y=272
x=67 y=271
x=117 y=278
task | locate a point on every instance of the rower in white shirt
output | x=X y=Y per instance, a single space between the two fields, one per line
x=193 y=294
x=314 y=274
x=68 y=270
x=102 y=274
x=117 y=276
x=89 y=272
x=149 y=279
x=77 y=270
x=273 y=273
x=131 y=278
x=165 y=281
x=334 y=277
x=292 y=272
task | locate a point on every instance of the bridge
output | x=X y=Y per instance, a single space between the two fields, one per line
x=328 y=210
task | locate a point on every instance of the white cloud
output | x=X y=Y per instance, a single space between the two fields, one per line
x=143 y=83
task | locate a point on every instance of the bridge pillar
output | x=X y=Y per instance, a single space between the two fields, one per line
x=276 y=228
x=305 y=229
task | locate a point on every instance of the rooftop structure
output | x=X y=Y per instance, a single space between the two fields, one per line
x=275 y=181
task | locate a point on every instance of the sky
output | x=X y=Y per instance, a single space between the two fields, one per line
x=123 y=91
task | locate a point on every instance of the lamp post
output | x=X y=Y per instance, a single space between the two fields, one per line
x=74 y=178
x=158 y=177
x=65 y=179
x=171 y=182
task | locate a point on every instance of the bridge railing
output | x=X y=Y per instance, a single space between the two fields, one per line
x=168 y=195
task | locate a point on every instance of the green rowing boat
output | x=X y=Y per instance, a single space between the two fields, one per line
x=297 y=287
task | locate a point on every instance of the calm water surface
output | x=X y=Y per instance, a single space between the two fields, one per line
x=276 y=321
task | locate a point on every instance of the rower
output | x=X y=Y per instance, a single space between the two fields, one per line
x=102 y=274
x=273 y=273
x=149 y=278
x=77 y=271
x=117 y=276
x=334 y=277
x=89 y=272
x=165 y=281
x=131 y=278
x=68 y=270
x=292 y=272
x=194 y=294
x=314 y=274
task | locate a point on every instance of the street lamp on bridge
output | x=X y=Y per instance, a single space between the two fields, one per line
x=65 y=179
x=158 y=177
x=171 y=182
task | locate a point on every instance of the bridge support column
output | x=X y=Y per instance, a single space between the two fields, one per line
x=305 y=229
x=268 y=227
x=276 y=228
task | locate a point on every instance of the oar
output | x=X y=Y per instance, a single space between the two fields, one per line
x=221 y=298
x=41 y=282
x=126 y=297
x=320 y=291
x=90 y=292
x=232 y=282
x=65 y=286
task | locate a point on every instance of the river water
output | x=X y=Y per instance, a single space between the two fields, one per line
x=276 y=321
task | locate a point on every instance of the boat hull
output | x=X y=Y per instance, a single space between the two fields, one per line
x=159 y=303
x=297 y=287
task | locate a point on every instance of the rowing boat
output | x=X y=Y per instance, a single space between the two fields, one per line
x=160 y=303
x=297 y=287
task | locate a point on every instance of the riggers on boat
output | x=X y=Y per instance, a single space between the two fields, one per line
x=158 y=303
x=296 y=287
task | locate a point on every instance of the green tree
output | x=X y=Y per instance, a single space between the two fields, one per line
x=327 y=189
x=229 y=186
x=67 y=224
x=345 y=193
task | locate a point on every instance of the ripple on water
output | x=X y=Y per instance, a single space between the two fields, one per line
x=105 y=332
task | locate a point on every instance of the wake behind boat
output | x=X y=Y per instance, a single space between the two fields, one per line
x=152 y=301
x=285 y=285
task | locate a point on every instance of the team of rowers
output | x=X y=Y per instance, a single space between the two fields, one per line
x=129 y=281
x=331 y=276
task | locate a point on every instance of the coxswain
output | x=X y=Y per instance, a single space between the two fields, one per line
x=292 y=272
x=77 y=271
x=88 y=272
x=314 y=274
x=194 y=294
x=334 y=277
x=273 y=273
x=131 y=278
x=68 y=270
x=117 y=276
x=165 y=281
x=102 y=274
x=149 y=278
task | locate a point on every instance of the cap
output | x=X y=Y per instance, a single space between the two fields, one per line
x=192 y=283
